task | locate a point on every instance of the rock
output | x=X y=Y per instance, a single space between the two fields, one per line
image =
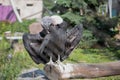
x=32 y=74
x=35 y=28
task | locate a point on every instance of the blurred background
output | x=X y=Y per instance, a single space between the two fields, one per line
x=100 y=41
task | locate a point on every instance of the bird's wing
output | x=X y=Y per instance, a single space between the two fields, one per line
x=74 y=36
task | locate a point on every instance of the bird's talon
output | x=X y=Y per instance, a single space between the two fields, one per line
x=51 y=61
x=58 y=61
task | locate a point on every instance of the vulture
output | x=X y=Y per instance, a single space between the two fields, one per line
x=55 y=42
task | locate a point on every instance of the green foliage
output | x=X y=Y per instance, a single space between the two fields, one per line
x=97 y=25
x=12 y=63
x=4 y=27
x=11 y=67
x=4 y=44
x=66 y=3
x=69 y=9
x=93 y=2
x=73 y=3
x=101 y=21
x=105 y=22
x=103 y=29
x=117 y=53
x=48 y=3
x=73 y=18
x=79 y=4
x=15 y=27
x=91 y=56
x=109 y=78
x=21 y=27
x=87 y=40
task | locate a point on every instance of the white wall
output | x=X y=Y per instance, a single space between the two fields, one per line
x=26 y=11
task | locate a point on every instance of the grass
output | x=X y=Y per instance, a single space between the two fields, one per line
x=91 y=55
x=12 y=63
x=10 y=67
x=15 y=27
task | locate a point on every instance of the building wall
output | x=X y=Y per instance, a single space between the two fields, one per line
x=116 y=6
x=5 y=2
x=26 y=8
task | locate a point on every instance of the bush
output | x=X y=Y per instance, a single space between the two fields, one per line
x=87 y=40
x=15 y=27
x=11 y=63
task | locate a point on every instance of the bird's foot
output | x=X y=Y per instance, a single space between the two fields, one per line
x=51 y=61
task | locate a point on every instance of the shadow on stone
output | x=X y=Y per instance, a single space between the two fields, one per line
x=33 y=74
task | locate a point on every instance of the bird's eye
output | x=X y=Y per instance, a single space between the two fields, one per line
x=58 y=26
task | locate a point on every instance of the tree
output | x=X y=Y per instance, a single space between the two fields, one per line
x=85 y=11
x=60 y=71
